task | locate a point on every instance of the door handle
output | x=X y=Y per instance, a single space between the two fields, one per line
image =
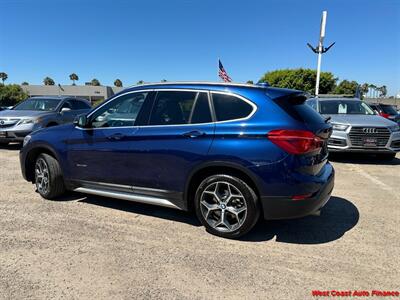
x=116 y=137
x=193 y=134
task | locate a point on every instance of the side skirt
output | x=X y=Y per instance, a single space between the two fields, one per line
x=130 y=193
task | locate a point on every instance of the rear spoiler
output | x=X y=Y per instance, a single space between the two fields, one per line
x=295 y=98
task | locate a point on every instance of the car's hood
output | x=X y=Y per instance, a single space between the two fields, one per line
x=22 y=113
x=361 y=120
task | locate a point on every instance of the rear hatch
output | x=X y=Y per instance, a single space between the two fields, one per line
x=312 y=160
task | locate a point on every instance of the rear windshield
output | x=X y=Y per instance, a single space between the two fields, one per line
x=295 y=106
x=388 y=109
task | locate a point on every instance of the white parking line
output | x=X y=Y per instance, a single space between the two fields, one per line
x=375 y=180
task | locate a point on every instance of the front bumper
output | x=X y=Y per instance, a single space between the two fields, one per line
x=340 y=141
x=286 y=208
x=16 y=133
x=13 y=136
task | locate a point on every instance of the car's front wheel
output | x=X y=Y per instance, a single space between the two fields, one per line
x=226 y=205
x=48 y=177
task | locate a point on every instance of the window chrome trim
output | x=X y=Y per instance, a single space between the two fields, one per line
x=211 y=102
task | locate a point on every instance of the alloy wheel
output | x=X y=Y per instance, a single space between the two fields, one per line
x=42 y=176
x=223 y=206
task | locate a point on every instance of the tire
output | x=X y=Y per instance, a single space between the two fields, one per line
x=386 y=156
x=48 y=177
x=239 y=207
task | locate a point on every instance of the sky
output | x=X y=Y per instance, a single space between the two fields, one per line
x=182 y=40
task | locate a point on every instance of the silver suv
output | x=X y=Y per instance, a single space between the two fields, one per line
x=357 y=128
x=38 y=112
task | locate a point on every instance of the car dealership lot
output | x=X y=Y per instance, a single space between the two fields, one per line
x=92 y=247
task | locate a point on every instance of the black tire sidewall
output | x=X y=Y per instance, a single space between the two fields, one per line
x=253 y=208
x=56 y=184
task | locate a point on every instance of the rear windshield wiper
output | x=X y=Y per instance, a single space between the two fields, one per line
x=328 y=119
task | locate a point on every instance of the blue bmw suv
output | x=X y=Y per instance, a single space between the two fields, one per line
x=230 y=152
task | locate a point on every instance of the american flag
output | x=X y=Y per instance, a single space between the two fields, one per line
x=222 y=73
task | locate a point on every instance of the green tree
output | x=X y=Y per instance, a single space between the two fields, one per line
x=346 y=87
x=74 y=78
x=249 y=82
x=48 y=81
x=300 y=79
x=11 y=94
x=118 y=83
x=163 y=80
x=3 y=76
x=95 y=82
x=25 y=83
x=140 y=82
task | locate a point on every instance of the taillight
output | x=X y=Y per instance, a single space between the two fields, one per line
x=385 y=115
x=295 y=141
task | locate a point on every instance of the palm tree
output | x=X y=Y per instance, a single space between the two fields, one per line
x=249 y=82
x=73 y=77
x=163 y=80
x=48 y=81
x=118 y=83
x=364 y=89
x=3 y=76
x=95 y=82
x=140 y=82
x=25 y=83
x=383 y=90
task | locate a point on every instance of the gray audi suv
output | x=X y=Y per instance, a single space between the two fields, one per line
x=36 y=113
x=357 y=128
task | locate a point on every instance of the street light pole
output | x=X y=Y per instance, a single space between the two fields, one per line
x=320 y=49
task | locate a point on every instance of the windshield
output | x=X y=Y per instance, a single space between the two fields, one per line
x=345 y=107
x=41 y=104
x=388 y=109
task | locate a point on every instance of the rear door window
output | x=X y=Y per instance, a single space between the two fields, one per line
x=77 y=105
x=388 y=109
x=229 y=107
x=201 y=112
x=180 y=107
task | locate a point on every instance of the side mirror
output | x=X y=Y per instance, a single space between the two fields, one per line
x=81 y=121
x=65 y=109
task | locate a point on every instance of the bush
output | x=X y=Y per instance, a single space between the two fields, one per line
x=11 y=94
x=300 y=79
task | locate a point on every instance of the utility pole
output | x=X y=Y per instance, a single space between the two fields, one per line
x=320 y=49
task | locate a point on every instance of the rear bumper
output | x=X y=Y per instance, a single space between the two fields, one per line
x=286 y=208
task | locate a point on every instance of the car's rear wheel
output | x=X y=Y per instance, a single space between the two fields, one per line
x=48 y=177
x=226 y=205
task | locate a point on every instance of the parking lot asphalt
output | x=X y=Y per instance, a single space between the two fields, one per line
x=97 y=248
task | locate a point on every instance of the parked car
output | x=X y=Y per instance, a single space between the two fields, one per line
x=38 y=112
x=229 y=152
x=387 y=111
x=356 y=128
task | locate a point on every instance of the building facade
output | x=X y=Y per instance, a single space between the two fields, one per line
x=92 y=93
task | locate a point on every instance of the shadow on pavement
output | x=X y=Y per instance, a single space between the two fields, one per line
x=362 y=158
x=337 y=217
x=142 y=209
